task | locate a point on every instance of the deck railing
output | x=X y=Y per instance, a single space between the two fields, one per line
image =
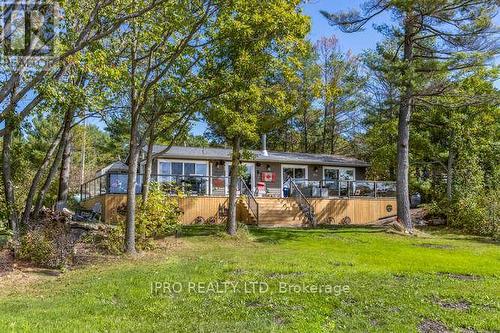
x=346 y=188
x=249 y=198
x=116 y=183
x=304 y=204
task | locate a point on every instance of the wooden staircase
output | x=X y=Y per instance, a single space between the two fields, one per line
x=280 y=212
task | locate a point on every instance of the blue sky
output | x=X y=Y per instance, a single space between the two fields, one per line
x=356 y=42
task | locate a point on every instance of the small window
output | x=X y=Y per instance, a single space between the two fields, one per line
x=201 y=169
x=331 y=174
x=346 y=174
x=165 y=168
x=189 y=169
x=177 y=168
x=118 y=183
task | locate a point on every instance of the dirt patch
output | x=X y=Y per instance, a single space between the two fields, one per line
x=464 y=277
x=284 y=275
x=460 y=305
x=467 y=330
x=433 y=326
x=434 y=246
x=280 y=321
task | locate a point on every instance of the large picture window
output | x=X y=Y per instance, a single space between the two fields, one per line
x=180 y=168
x=189 y=175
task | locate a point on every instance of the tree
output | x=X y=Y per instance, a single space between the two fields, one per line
x=252 y=59
x=150 y=49
x=434 y=37
x=342 y=86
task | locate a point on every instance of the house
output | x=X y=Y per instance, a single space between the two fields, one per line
x=286 y=185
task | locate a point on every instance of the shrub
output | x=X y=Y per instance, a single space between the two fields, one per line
x=49 y=241
x=37 y=248
x=158 y=217
x=5 y=233
x=110 y=240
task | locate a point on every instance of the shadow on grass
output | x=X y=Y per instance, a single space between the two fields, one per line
x=278 y=235
x=201 y=230
x=266 y=235
x=448 y=233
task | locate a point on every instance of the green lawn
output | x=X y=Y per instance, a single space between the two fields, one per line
x=395 y=284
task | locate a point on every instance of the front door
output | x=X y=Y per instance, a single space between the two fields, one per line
x=248 y=175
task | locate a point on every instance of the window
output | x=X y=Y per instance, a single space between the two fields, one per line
x=177 y=168
x=346 y=174
x=330 y=173
x=183 y=168
x=296 y=172
x=118 y=183
x=200 y=169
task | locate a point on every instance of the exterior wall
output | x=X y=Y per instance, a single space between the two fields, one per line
x=273 y=167
x=273 y=211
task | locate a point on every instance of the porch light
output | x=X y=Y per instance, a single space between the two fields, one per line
x=268 y=167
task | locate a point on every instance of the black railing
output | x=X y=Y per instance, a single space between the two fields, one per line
x=346 y=188
x=249 y=198
x=116 y=183
x=304 y=204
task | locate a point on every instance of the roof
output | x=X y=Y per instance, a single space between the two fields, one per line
x=272 y=156
x=117 y=166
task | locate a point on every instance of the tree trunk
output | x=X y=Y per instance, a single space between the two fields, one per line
x=449 y=178
x=131 y=195
x=235 y=162
x=7 y=180
x=402 y=184
x=305 y=133
x=333 y=129
x=133 y=154
x=68 y=118
x=83 y=153
x=37 y=178
x=62 y=195
x=147 y=171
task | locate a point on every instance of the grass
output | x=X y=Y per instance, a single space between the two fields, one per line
x=395 y=284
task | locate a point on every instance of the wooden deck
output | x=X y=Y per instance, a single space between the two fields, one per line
x=272 y=211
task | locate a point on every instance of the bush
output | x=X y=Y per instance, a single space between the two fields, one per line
x=48 y=242
x=37 y=248
x=476 y=214
x=158 y=217
x=110 y=240
x=5 y=234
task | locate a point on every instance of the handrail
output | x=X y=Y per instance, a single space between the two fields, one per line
x=302 y=201
x=250 y=199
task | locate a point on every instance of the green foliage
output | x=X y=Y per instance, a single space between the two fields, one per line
x=110 y=240
x=38 y=248
x=474 y=207
x=158 y=217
